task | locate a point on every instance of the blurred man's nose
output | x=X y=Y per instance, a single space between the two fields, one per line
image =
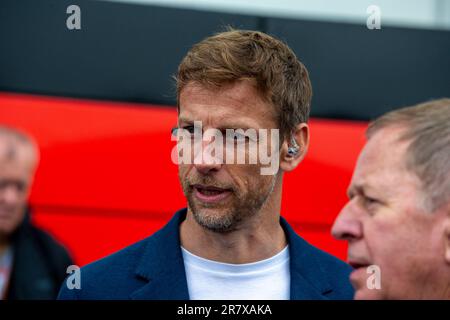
x=10 y=195
x=347 y=226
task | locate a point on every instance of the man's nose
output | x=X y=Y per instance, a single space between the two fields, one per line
x=347 y=226
x=10 y=195
x=208 y=158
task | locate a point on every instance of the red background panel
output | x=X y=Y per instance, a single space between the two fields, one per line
x=106 y=178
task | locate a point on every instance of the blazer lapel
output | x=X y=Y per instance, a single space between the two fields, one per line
x=162 y=265
x=308 y=280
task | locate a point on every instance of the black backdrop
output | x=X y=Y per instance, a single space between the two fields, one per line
x=128 y=52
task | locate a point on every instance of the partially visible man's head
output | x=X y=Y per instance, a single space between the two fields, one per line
x=240 y=80
x=398 y=215
x=18 y=161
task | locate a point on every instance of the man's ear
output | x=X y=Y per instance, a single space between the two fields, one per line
x=289 y=161
x=447 y=236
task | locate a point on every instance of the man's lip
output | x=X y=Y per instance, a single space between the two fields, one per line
x=358 y=264
x=212 y=198
x=200 y=186
x=6 y=213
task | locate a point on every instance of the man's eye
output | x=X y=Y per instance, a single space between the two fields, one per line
x=240 y=137
x=189 y=129
x=18 y=185
x=370 y=202
x=183 y=130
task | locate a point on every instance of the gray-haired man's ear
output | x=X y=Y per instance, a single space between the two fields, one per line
x=447 y=240
x=447 y=235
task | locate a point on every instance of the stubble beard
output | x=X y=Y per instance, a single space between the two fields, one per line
x=227 y=217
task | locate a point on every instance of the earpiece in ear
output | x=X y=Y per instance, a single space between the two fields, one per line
x=293 y=150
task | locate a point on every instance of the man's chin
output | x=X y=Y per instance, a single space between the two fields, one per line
x=368 y=294
x=360 y=282
x=217 y=219
x=211 y=212
x=7 y=227
x=362 y=291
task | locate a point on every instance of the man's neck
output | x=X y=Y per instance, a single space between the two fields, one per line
x=258 y=238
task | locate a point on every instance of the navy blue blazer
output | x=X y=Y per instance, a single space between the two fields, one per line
x=153 y=269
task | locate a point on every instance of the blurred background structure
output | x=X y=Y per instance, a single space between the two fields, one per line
x=100 y=101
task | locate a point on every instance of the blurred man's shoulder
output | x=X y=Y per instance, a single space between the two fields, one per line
x=119 y=274
x=102 y=279
x=49 y=243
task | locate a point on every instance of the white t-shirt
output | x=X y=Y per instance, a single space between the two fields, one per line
x=6 y=261
x=267 y=279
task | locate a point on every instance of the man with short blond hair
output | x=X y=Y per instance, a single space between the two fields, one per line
x=230 y=243
x=398 y=215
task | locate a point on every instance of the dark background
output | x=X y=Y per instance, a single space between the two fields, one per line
x=128 y=52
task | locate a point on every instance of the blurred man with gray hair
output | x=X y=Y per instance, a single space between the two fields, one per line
x=32 y=264
x=397 y=221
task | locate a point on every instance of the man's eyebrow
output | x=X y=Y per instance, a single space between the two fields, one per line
x=350 y=192
x=222 y=126
x=235 y=127
x=355 y=189
x=363 y=189
x=183 y=119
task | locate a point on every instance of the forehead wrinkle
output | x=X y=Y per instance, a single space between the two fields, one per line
x=373 y=179
x=239 y=106
x=20 y=153
x=234 y=91
x=223 y=120
x=8 y=149
x=381 y=167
